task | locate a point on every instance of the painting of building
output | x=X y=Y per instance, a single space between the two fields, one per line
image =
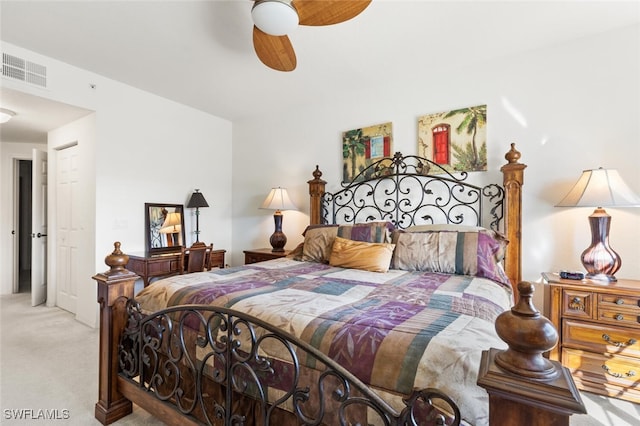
x=456 y=139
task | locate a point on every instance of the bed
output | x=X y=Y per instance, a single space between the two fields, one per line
x=381 y=316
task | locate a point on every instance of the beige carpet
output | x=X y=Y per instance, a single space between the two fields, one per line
x=45 y=367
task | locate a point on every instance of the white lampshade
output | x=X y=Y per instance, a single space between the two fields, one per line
x=600 y=188
x=278 y=199
x=172 y=224
x=5 y=115
x=275 y=17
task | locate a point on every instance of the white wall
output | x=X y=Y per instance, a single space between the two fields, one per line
x=147 y=149
x=569 y=107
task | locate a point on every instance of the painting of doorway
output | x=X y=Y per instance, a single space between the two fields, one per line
x=363 y=146
x=456 y=139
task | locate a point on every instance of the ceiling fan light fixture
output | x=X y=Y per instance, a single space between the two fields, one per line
x=5 y=115
x=274 y=17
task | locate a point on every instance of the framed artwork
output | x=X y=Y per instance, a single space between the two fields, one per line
x=361 y=147
x=456 y=139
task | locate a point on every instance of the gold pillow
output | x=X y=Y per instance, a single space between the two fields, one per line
x=374 y=257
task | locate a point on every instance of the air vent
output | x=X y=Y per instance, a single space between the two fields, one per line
x=23 y=70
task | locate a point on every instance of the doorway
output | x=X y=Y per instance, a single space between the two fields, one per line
x=24 y=168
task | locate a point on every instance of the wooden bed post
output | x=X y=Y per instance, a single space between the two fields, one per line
x=316 y=190
x=524 y=387
x=512 y=181
x=115 y=286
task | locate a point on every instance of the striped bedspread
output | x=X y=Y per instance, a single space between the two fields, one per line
x=396 y=331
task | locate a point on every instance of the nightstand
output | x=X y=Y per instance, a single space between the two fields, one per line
x=260 y=255
x=598 y=325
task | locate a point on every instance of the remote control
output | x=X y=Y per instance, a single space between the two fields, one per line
x=571 y=275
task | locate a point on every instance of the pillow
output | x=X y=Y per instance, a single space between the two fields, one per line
x=318 y=239
x=501 y=239
x=416 y=251
x=374 y=257
x=370 y=232
x=317 y=243
x=463 y=253
x=296 y=253
x=310 y=227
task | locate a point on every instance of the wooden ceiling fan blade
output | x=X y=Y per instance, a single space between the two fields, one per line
x=274 y=51
x=328 y=12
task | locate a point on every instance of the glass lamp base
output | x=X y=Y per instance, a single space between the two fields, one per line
x=599 y=259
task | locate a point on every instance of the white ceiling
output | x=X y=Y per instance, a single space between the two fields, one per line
x=35 y=116
x=200 y=53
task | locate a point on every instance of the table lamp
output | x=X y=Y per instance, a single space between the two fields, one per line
x=278 y=200
x=171 y=226
x=600 y=188
x=195 y=202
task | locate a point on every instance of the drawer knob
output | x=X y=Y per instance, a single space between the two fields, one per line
x=618 y=317
x=619 y=302
x=576 y=304
x=607 y=339
x=629 y=373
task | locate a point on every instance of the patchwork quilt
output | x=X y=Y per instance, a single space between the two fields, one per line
x=396 y=331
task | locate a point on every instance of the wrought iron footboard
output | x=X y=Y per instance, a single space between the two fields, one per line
x=184 y=353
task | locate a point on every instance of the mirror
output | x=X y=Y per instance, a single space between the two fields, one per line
x=164 y=227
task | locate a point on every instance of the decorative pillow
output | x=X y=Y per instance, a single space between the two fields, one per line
x=416 y=251
x=318 y=239
x=310 y=227
x=318 y=242
x=370 y=232
x=464 y=228
x=374 y=257
x=464 y=253
x=296 y=253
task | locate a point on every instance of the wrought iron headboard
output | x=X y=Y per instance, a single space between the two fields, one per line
x=405 y=191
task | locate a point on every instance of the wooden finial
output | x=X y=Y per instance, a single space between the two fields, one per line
x=317 y=174
x=529 y=335
x=117 y=260
x=513 y=155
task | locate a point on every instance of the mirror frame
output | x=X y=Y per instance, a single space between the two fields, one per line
x=151 y=214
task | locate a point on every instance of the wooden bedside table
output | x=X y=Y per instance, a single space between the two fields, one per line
x=598 y=325
x=260 y=255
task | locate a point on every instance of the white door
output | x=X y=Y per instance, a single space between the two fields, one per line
x=39 y=228
x=67 y=228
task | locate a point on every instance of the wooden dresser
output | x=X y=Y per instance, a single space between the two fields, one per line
x=599 y=333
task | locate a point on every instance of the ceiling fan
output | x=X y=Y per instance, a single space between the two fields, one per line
x=274 y=19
